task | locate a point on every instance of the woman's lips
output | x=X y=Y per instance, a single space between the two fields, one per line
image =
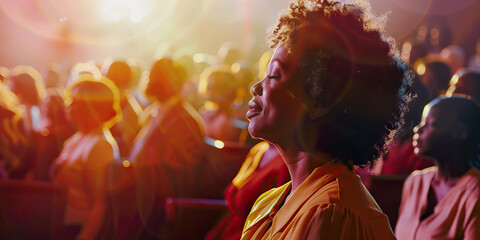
x=253 y=109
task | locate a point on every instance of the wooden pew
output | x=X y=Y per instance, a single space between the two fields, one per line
x=31 y=210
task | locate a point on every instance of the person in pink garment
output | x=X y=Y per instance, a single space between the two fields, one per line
x=442 y=202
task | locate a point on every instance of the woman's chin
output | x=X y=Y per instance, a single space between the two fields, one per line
x=254 y=130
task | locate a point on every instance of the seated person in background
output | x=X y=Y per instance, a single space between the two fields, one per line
x=92 y=105
x=262 y=170
x=12 y=137
x=330 y=101
x=442 y=202
x=124 y=131
x=454 y=56
x=229 y=53
x=474 y=61
x=84 y=68
x=218 y=86
x=435 y=75
x=245 y=77
x=168 y=150
x=26 y=83
x=55 y=77
x=400 y=158
x=190 y=88
x=54 y=130
x=466 y=82
x=412 y=50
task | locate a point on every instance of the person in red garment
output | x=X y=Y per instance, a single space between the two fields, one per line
x=168 y=151
x=442 y=202
x=331 y=100
x=55 y=129
x=262 y=170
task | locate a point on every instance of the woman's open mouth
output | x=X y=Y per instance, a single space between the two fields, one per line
x=253 y=109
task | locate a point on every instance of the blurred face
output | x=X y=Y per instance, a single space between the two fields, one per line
x=74 y=109
x=278 y=105
x=433 y=134
x=82 y=112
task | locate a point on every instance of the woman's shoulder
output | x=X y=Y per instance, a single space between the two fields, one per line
x=336 y=220
x=346 y=191
x=98 y=149
x=471 y=183
x=346 y=202
x=424 y=172
x=421 y=177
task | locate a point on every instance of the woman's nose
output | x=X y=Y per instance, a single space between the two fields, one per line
x=257 y=89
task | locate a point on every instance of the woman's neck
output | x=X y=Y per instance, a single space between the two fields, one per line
x=301 y=164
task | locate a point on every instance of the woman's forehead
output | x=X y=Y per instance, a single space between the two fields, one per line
x=280 y=55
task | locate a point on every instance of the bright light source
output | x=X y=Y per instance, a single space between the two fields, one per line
x=116 y=10
x=454 y=79
x=236 y=67
x=421 y=68
x=136 y=17
x=219 y=144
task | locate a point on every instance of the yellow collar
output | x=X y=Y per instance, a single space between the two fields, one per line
x=270 y=201
x=250 y=164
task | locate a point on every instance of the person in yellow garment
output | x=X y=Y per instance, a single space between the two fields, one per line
x=333 y=96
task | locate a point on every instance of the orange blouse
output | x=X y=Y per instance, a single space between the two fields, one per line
x=331 y=203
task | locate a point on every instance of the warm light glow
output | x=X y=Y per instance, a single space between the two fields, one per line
x=219 y=144
x=450 y=91
x=236 y=67
x=454 y=80
x=421 y=69
x=45 y=132
x=116 y=10
x=214 y=143
x=406 y=49
x=453 y=83
x=126 y=163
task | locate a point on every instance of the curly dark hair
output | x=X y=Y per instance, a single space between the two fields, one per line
x=348 y=64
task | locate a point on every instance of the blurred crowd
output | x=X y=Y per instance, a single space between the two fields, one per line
x=70 y=125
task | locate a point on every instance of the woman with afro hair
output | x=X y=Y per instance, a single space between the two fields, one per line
x=333 y=97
